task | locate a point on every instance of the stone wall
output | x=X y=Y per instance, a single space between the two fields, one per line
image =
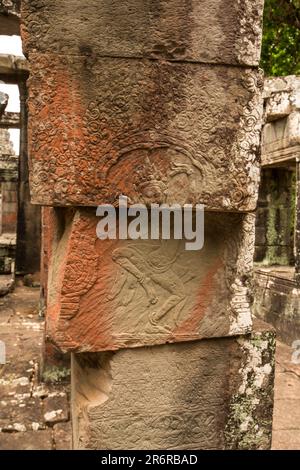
x=276 y=281
x=8 y=202
x=9 y=207
x=275 y=217
x=277 y=301
x=8 y=178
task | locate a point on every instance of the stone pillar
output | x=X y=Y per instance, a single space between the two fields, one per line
x=8 y=189
x=8 y=202
x=297 y=225
x=54 y=362
x=159 y=102
x=29 y=219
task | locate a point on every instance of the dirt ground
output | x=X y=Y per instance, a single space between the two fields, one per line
x=35 y=415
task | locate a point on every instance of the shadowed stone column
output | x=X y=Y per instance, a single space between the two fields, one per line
x=29 y=216
x=297 y=225
x=160 y=102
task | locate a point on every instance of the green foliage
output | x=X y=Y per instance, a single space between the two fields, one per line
x=281 y=38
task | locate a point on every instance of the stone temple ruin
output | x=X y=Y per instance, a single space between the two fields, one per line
x=277 y=277
x=162 y=102
x=13 y=170
x=8 y=197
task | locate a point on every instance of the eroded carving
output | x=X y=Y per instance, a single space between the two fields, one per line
x=174 y=30
x=190 y=131
x=126 y=293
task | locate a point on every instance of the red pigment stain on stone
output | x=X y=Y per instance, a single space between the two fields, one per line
x=204 y=298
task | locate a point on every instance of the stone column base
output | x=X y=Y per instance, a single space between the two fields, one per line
x=207 y=394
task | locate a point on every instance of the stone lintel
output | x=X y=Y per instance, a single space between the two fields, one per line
x=10 y=120
x=13 y=68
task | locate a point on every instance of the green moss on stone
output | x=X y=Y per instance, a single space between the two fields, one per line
x=55 y=374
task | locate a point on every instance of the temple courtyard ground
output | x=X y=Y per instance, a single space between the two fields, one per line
x=35 y=414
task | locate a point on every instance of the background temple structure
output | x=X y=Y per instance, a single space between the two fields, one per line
x=8 y=203
x=14 y=70
x=8 y=192
x=277 y=275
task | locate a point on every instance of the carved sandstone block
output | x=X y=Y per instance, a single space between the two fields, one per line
x=282 y=97
x=210 y=31
x=281 y=139
x=155 y=132
x=209 y=394
x=111 y=294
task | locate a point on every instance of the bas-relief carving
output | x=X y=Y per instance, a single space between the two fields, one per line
x=128 y=293
x=178 y=393
x=177 y=132
x=187 y=430
x=171 y=30
x=208 y=394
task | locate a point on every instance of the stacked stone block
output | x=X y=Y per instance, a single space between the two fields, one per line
x=160 y=102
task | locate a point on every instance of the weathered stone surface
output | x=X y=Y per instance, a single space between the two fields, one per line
x=287 y=410
x=47 y=235
x=8 y=210
x=281 y=139
x=3 y=103
x=209 y=394
x=156 y=132
x=28 y=247
x=56 y=408
x=277 y=301
x=8 y=205
x=13 y=65
x=10 y=120
x=21 y=413
x=282 y=96
x=286 y=439
x=275 y=224
x=281 y=133
x=287 y=386
x=24 y=400
x=10 y=7
x=8 y=159
x=62 y=436
x=216 y=31
x=278 y=106
x=32 y=440
x=109 y=294
x=277 y=288
x=297 y=224
x=286 y=429
x=10 y=17
x=7 y=282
